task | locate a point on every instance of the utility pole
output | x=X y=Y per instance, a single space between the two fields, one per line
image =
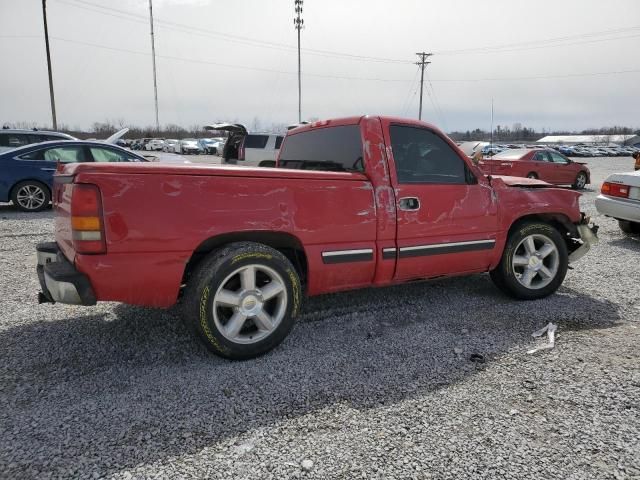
x=491 y=139
x=46 y=42
x=422 y=64
x=153 y=55
x=298 y=23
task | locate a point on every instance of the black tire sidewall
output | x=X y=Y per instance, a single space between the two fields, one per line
x=228 y=261
x=578 y=187
x=35 y=183
x=506 y=277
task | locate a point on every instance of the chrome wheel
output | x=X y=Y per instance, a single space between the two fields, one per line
x=250 y=304
x=581 y=180
x=536 y=261
x=30 y=197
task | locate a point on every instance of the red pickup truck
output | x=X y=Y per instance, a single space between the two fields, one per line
x=354 y=202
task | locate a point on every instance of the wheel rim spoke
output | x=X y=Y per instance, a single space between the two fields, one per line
x=228 y=298
x=271 y=290
x=527 y=276
x=529 y=245
x=264 y=321
x=546 y=250
x=545 y=272
x=520 y=260
x=248 y=278
x=235 y=324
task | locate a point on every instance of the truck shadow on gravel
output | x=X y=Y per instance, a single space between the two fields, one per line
x=131 y=386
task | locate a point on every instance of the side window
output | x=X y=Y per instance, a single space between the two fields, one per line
x=540 y=157
x=256 y=141
x=65 y=154
x=279 y=142
x=35 y=155
x=334 y=149
x=421 y=156
x=13 y=140
x=107 y=155
x=557 y=158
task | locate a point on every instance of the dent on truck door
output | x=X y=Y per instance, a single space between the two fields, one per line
x=447 y=219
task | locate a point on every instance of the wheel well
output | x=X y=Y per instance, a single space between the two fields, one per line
x=285 y=243
x=532 y=173
x=560 y=222
x=35 y=180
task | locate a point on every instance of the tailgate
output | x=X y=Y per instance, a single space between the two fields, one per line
x=62 y=188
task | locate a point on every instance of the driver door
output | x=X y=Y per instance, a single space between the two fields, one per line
x=446 y=216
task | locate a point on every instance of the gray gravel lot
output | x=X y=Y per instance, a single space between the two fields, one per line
x=368 y=385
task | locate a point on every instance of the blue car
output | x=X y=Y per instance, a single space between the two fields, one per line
x=26 y=173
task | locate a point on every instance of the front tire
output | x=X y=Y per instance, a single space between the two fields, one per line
x=534 y=262
x=629 y=227
x=31 y=196
x=242 y=300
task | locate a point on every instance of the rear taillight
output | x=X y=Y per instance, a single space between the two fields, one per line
x=615 y=190
x=86 y=219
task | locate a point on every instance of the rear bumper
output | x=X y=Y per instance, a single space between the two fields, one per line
x=59 y=280
x=618 y=208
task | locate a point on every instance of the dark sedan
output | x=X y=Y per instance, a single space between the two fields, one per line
x=26 y=173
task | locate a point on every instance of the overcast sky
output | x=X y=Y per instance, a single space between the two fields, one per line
x=236 y=61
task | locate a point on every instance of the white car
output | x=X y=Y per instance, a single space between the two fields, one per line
x=171 y=145
x=620 y=198
x=248 y=149
x=189 y=146
x=155 y=144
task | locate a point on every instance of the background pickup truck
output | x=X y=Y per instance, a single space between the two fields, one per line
x=355 y=202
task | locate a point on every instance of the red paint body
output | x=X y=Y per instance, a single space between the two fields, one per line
x=156 y=216
x=546 y=165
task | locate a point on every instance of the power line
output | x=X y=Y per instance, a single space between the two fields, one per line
x=342 y=77
x=191 y=30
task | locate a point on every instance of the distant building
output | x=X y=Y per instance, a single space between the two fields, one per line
x=633 y=140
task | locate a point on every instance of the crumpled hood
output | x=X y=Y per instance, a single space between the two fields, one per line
x=522 y=181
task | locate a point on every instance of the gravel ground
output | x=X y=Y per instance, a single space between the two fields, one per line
x=370 y=384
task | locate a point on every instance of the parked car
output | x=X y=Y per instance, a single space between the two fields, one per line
x=10 y=139
x=248 y=149
x=155 y=144
x=26 y=173
x=189 y=146
x=171 y=145
x=208 y=146
x=547 y=165
x=620 y=198
x=374 y=201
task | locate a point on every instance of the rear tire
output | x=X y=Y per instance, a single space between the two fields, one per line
x=629 y=227
x=31 y=196
x=242 y=300
x=534 y=262
x=581 y=181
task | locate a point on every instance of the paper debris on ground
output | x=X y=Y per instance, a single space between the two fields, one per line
x=550 y=329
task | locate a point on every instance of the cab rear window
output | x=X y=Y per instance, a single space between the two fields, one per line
x=256 y=141
x=335 y=149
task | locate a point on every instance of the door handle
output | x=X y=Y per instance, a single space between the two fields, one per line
x=48 y=169
x=409 y=203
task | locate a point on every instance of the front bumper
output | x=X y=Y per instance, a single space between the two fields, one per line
x=59 y=280
x=588 y=237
